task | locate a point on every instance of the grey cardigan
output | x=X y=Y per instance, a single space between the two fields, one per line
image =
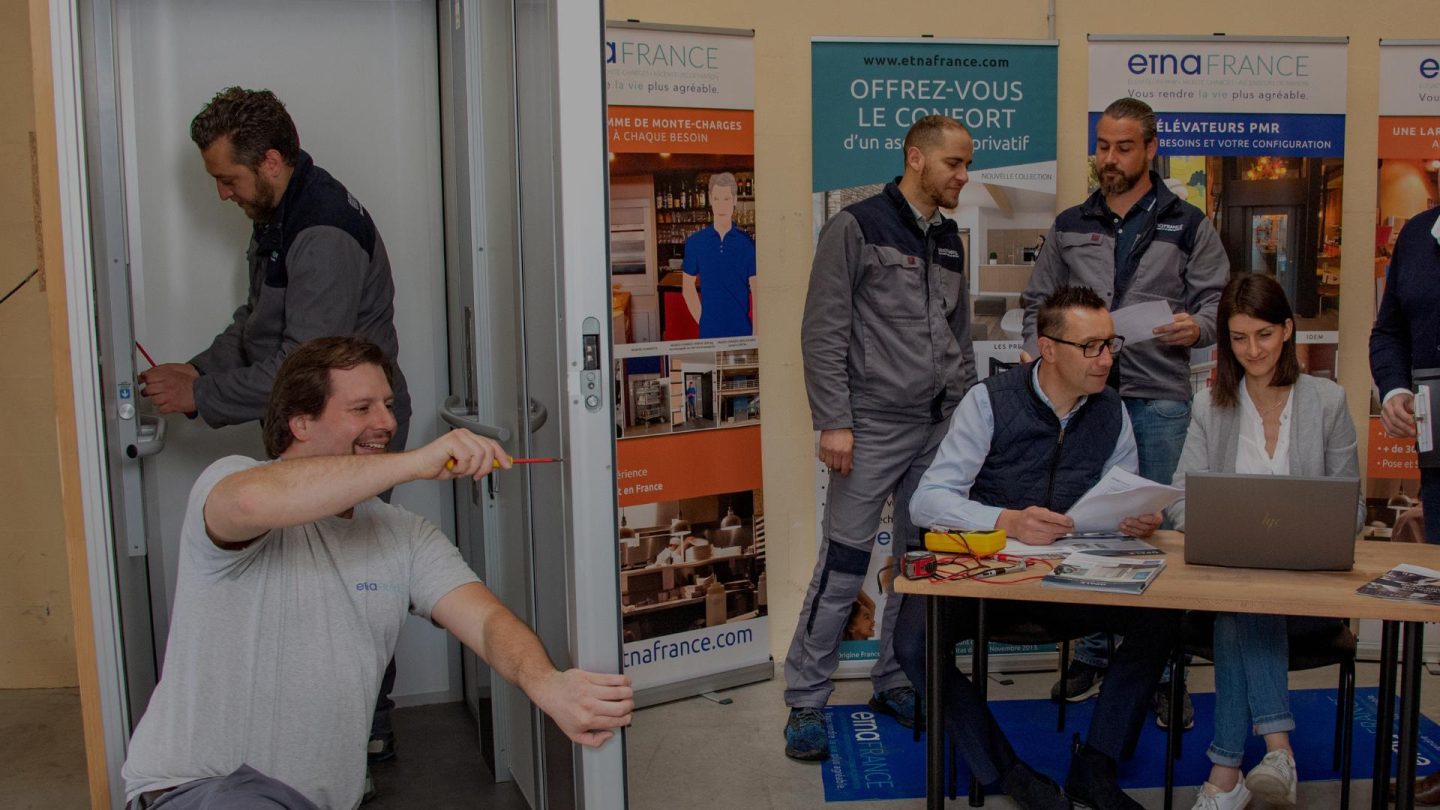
x=1213 y=440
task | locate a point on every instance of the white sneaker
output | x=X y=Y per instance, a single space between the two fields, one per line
x=1274 y=778
x=1236 y=799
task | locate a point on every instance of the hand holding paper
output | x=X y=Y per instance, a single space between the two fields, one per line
x=1117 y=496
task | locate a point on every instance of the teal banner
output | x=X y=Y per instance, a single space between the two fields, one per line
x=866 y=93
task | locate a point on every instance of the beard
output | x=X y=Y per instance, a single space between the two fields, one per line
x=1113 y=180
x=936 y=192
x=262 y=206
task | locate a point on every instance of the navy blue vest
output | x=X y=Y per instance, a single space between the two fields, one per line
x=1032 y=462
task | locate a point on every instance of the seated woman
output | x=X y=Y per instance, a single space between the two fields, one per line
x=1261 y=417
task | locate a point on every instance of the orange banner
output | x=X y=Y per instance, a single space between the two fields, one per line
x=1405 y=136
x=675 y=466
x=682 y=131
x=1391 y=458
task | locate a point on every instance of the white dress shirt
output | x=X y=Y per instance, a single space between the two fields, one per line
x=943 y=497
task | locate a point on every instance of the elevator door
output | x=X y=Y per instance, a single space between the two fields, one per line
x=359 y=80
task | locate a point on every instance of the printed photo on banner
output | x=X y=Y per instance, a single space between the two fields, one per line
x=866 y=94
x=693 y=563
x=1270 y=182
x=674 y=393
x=1408 y=185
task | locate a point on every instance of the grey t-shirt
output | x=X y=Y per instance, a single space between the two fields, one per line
x=276 y=651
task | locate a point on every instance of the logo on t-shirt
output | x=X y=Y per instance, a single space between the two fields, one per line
x=383 y=587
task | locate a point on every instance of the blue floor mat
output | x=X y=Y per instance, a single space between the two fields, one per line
x=873 y=757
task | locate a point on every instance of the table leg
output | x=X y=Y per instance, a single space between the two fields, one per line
x=1385 y=713
x=1409 y=715
x=980 y=674
x=934 y=707
x=1176 y=724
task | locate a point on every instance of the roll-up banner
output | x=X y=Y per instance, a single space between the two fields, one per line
x=1409 y=185
x=1252 y=132
x=865 y=94
x=687 y=375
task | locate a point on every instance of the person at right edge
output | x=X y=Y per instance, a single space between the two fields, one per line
x=886 y=341
x=1407 y=337
x=1132 y=241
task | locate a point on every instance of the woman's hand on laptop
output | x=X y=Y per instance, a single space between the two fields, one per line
x=1141 y=525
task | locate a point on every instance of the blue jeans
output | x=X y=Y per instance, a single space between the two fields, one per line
x=1252 y=687
x=1160 y=426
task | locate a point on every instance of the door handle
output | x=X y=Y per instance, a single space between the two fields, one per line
x=538 y=415
x=454 y=413
x=149 y=437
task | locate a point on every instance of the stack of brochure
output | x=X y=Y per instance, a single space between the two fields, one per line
x=1100 y=544
x=1090 y=571
x=1408 y=582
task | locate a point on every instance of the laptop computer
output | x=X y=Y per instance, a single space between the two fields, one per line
x=1270 y=521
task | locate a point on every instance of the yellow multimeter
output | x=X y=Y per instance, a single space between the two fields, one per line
x=980 y=544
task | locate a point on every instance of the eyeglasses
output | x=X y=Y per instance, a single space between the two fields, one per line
x=1092 y=348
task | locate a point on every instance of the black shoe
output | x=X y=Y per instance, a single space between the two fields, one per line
x=1092 y=782
x=1033 y=790
x=900 y=703
x=1082 y=682
x=1161 y=701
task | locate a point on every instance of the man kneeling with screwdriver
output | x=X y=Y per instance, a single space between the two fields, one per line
x=294 y=581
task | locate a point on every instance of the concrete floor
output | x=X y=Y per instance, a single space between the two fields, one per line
x=692 y=753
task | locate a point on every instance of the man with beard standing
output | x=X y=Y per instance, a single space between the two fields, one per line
x=318 y=268
x=886 y=342
x=1132 y=241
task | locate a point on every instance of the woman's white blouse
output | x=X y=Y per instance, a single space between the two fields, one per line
x=1251 y=457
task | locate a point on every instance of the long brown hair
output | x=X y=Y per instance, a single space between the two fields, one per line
x=1260 y=297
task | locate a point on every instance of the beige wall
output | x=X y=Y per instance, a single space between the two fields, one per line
x=782 y=164
x=37 y=646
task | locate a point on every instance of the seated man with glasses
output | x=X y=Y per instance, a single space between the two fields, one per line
x=1022 y=447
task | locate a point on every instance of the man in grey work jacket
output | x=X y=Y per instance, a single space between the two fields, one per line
x=317 y=269
x=886 y=340
x=1133 y=241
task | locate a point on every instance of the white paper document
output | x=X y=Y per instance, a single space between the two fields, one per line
x=1119 y=495
x=1137 y=322
x=1424 y=430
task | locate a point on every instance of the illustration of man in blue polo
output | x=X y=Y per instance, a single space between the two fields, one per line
x=720 y=267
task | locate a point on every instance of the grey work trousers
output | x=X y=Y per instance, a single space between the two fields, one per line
x=889 y=458
x=244 y=789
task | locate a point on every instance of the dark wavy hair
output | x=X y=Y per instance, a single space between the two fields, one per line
x=1260 y=297
x=302 y=386
x=254 y=120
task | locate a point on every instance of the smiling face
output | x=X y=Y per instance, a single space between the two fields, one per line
x=358 y=418
x=252 y=189
x=1122 y=156
x=1258 y=344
